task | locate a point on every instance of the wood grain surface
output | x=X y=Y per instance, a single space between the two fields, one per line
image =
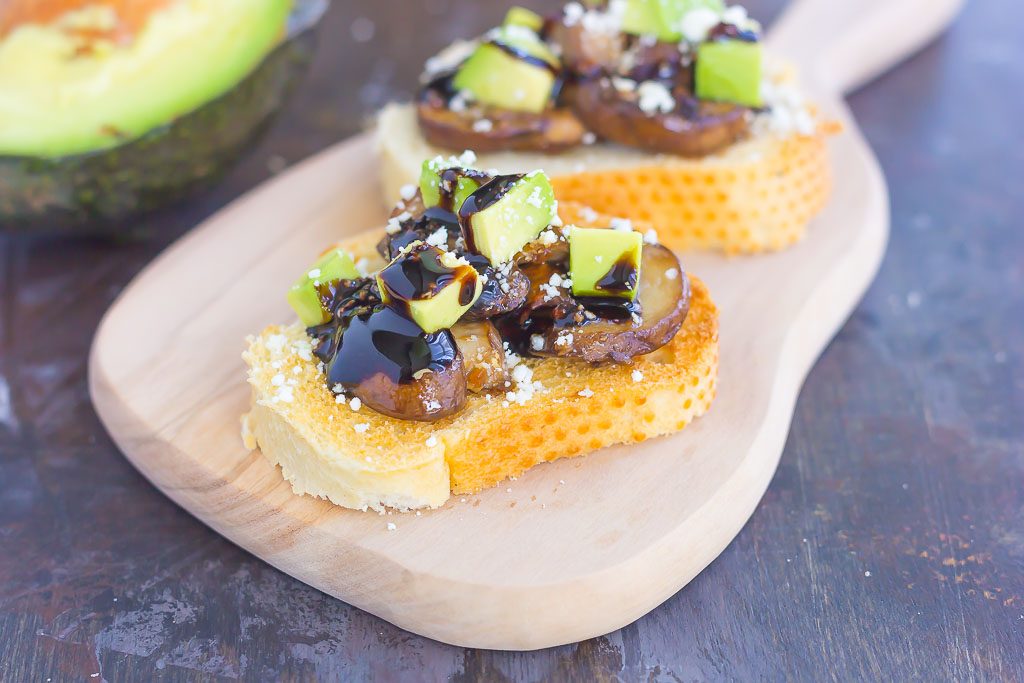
x=889 y=545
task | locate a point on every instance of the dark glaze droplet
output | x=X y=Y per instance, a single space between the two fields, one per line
x=385 y=342
x=486 y=195
x=621 y=278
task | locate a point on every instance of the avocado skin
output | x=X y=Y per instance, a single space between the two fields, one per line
x=98 y=193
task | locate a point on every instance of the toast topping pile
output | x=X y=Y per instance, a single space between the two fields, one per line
x=673 y=76
x=481 y=272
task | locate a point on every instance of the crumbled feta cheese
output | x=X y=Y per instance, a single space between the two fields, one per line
x=585 y=393
x=637 y=376
x=589 y=138
x=696 y=23
x=536 y=342
x=651 y=236
x=564 y=339
x=431 y=441
x=621 y=224
x=433 y=405
x=522 y=374
x=361 y=427
x=671 y=274
x=655 y=98
x=438 y=238
x=573 y=12
x=407 y=191
x=623 y=84
x=313 y=274
x=483 y=125
x=392 y=526
x=355 y=404
x=277 y=380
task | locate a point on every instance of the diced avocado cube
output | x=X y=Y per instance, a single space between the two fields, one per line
x=729 y=71
x=605 y=262
x=502 y=229
x=434 y=288
x=430 y=185
x=303 y=295
x=500 y=77
x=520 y=16
x=662 y=18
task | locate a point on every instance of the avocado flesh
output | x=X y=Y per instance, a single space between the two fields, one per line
x=439 y=308
x=520 y=16
x=662 y=18
x=595 y=254
x=729 y=71
x=430 y=182
x=60 y=95
x=105 y=192
x=494 y=77
x=502 y=229
x=303 y=296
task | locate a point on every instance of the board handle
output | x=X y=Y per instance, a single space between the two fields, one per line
x=843 y=44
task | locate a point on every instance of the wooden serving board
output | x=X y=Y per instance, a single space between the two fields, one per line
x=575 y=548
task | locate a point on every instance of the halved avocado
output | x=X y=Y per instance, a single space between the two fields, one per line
x=93 y=182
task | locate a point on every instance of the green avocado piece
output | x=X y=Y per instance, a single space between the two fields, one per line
x=430 y=181
x=520 y=16
x=662 y=18
x=100 y=191
x=605 y=262
x=729 y=71
x=303 y=295
x=503 y=228
x=433 y=287
x=494 y=76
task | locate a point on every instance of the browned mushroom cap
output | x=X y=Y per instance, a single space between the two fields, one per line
x=587 y=52
x=554 y=130
x=482 y=354
x=695 y=128
x=663 y=300
x=392 y=366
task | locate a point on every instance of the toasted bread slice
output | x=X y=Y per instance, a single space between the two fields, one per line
x=757 y=195
x=364 y=459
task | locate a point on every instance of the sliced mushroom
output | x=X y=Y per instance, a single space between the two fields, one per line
x=392 y=366
x=482 y=354
x=490 y=129
x=598 y=330
x=586 y=53
x=505 y=289
x=694 y=128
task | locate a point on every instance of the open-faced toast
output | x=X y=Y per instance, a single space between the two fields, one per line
x=360 y=458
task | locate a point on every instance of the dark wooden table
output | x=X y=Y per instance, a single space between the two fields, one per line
x=889 y=546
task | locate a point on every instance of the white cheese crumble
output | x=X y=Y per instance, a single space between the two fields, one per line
x=431 y=441
x=407 y=191
x=355 y=404
x=671 y=274
x=361 y=427
x=697 y=23
x=623 y=84
x=621 y=224
x=589 y=138
x=536 y=342
x=585 y=393
x=313 y=274
x=438 y=238
x=655 y=98
x=483 y=125
x=392 y=526
x=651 y=236
x=637 y=376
